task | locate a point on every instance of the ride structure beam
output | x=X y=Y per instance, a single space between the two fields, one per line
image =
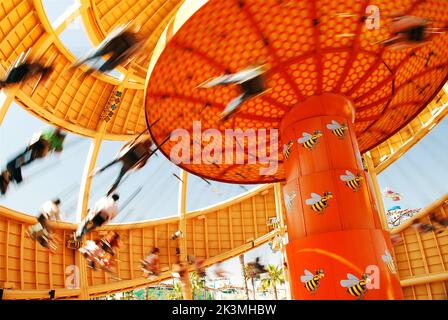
x=6 y=97
x=84 y=192
x=182 y=241
x=280 y=217
x=374 y=185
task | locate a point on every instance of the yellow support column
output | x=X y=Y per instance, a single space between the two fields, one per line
x=6 y=98
x=186 y=285
x=80 y=262
x=94 y=150
x=280 y=216
x=83 y=201
x=84 y=192
x=376 y=190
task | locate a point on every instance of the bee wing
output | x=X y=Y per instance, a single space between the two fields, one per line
x=305 y=138
x=308 y=273
x=306 y=278
x=352 y=277
x=314 y=198
x=311 y=201
x=348 y=176
x=333 y=125
x=348 y=283
x=285 y=147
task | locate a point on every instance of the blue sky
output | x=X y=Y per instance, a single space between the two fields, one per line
x=420 y=175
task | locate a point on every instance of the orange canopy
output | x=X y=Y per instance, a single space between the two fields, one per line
x=310 y=47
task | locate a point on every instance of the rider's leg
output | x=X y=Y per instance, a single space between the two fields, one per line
x=111 y=63
x=97 y=221
x=44 y=222
x=124 y=169
x=4 y=181
x=109 y=165
x=39 y=149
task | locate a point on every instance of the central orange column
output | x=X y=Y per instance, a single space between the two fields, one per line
x=332 y=220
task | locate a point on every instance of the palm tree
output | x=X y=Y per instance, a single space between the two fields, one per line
x=245 y=275
x=128 y=295
x=273 y=279
x=249 y=273
x=176 y=293
x=197 y=284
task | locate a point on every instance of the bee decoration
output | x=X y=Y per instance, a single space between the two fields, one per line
x=309 y=141
x=338 y=130
x=312 y=281
x=287 y=149
x=356 y=287
x=289 y=199
x=319 y=203
x=352 y=181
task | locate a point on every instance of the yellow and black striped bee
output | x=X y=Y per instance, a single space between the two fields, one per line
x=318 y=203
x=287 y=149
x=337 y=129
x=356 y=287
x=312 y=281
x=309 y=141
x=352 y=181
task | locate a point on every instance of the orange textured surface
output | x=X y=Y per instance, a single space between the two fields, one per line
x=301 y=43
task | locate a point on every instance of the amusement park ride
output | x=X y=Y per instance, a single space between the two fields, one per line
x=336 y=89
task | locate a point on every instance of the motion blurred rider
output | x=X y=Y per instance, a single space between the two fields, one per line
x=256 y=267
x=151 y=264
x=251 y=82
x=133 y=156
x=104 y=211
x=43 y=143
x=410 y=31
x=41 y=231
x=120 y=45
x=22 y=70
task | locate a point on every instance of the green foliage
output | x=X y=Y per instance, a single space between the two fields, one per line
x=176 y=293
x=274 y=278
x=197 y=284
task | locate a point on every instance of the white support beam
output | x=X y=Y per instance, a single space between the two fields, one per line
x=280 y=216
x=84 y=192
x=6 y=98
x=69 y=16
x=182 y=211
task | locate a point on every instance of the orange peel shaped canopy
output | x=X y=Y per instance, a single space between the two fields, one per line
x=310 y=47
